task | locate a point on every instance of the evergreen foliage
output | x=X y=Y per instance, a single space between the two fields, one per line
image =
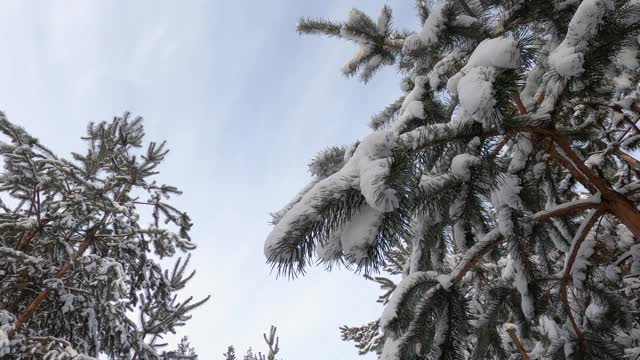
x=230 y=354
x=272 y=342
x=250 y=355
x=184 y=351
x=501 y=187
x=80 y=244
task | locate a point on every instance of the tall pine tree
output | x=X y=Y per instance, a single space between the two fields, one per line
x=80 y=244
x=502 y=183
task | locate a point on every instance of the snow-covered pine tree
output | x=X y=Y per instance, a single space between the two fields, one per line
x=507 y=168
x=185 y=348
x=368 y=338
x=184 y=351
x=272 y=342
x=80 y=244
x=249 y=355
x=230 y=354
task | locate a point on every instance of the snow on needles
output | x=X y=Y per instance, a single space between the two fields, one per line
x=476 y=94
x=462 y=164
x=500 y=52
x=585 y=250
x=428 y=35
x=412 y=106
x=474 y=83
x=407 y=284
x=360 y=233
x=506 y=199
x=365 y=48
x=446 y=281
x=391 y=349
x=330 y=249
x=365 y=170
x=567 y=59
x=442 y=67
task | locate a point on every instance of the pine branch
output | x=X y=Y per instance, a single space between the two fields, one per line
x=33 y=306
x=466 y=8
x=272 y=343
x=581 y=235
x=628 y=158
x=490 y=216
x=318 y=26
x=617 y=204
x=50 y=339
x=475 y=254
x=26 y=239
x=577 y=241
x=517 y=343
x=521 y=108
x=569 y=166
x=567 y=208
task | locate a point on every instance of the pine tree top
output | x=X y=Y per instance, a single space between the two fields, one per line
x=80 y=246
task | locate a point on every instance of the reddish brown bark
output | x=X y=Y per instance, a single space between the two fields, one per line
x=565 y=210
x=518 y=344
x=89 y=240
x=628 y=159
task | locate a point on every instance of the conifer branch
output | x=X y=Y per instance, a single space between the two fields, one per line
x=33 y=306
x=581 y=235
x=466 y=8
x=272 y=342
x=567 y=208
x=511 y=186
x=517 y=343
x=576 y=243
x=49 y=339
x=567 y=308
x=568 y=165
x=521 y=108
x=617 y=204
x=628 y=158
x=595 y=180
x=475 y=254
x=505 y=140
x=26 y=239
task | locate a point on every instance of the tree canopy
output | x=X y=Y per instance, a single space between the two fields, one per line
x=501 y=186
x=80 y=245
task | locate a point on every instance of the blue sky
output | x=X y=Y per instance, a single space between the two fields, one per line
x=244 y=103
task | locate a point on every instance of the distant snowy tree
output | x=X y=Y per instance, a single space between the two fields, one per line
x=249 y=355
x=185 y=348
x=272 y=342
x=80 y=245
x=184 y=351
x=230 y=354
x=502 y=186
x=367 y=338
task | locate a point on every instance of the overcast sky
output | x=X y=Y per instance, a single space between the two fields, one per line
x=244 y=103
